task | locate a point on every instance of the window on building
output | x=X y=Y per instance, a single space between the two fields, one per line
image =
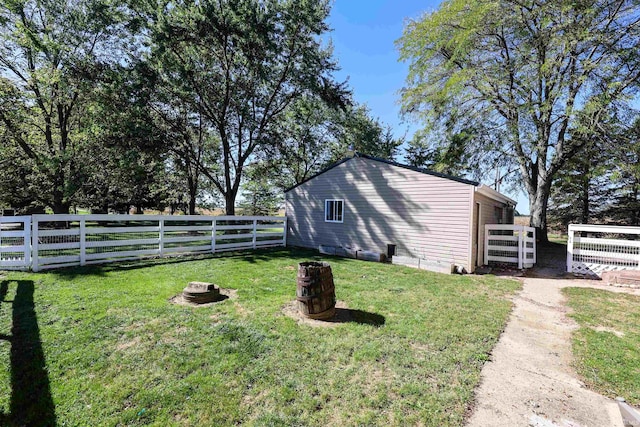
x=333 y=210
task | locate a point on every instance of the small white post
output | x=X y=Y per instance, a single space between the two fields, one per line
x=535 y=247
x=34 y=245
x=83 y=242
x=161 y=244
x=255 y=224
x=284 y=236
x=486 y=244
x=570 y=249
x=520 y=248
x=213 y=236
x=27 y=242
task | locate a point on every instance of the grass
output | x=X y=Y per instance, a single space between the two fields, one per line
x=607 y=345
x=558 y=238
x=102 y=345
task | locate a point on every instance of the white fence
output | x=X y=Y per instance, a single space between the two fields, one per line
x=58 y=241
x=508 y=243
x=15 y=242
x=594 y=249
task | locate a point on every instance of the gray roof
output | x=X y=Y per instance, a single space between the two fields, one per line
x=389 y=162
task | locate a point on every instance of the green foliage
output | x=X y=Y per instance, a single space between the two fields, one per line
x=536 y=74
x=313 y=134
x=52 y=55
x=362 y=133
x=596 y=188
x=260 y=195
x=114 y=351
x=241 y=65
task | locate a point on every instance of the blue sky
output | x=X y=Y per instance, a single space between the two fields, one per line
x=364 y=35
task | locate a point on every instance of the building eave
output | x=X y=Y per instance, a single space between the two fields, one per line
x=493 y=194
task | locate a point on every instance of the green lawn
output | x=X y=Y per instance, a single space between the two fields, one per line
x=558 y=238
x=607 y=345
x=102 y=346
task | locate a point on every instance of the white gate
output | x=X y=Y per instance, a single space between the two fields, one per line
x=15 y=242
x=508 y=243
x=594 y=249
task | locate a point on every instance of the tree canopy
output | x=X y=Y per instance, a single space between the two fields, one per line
x=149 y=104
x=240 y=65
x=541 y=74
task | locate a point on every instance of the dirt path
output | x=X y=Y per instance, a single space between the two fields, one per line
x=529 y=380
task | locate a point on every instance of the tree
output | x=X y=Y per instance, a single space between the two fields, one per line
x=527 y=68
x=625 y=176
x=593 y=187
x=51 y=55
x=241 y=64
x=315 y=134
x=260 y=195
x=125 y=158
x=360 y=132
x=303 y=143
x=582 y=189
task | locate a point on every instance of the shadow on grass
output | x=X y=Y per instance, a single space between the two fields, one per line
x=551 y=263
x=347 y=315
x=31 y=402
x=253 y=257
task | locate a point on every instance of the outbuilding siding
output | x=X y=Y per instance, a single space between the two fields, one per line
x=424 y=215
x=488 y=215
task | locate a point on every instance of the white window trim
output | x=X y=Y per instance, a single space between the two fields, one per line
x=326 y=203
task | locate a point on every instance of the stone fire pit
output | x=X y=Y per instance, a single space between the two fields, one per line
x=201 y=293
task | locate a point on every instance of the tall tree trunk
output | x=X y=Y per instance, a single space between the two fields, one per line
x=193 y=191
x=538 y=202
x=584 y=217
x=230 y=203
x=60 y=207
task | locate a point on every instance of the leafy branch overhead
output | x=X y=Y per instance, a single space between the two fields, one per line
x=540 y=73
x=241 y=65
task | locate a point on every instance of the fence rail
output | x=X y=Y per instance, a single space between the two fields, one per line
x=594 y=249
x=15 y=242
x=508 y=243
x=56 y=241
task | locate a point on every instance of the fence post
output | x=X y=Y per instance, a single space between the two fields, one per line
x=486 y=244
x=284 y=237
x=570 y=249
x=255 y=224
x=535 y=247
x=214 y=233
x=161 y=245
x=34 y=245
x=27 y=242
x=520 y=246
x=83 y=242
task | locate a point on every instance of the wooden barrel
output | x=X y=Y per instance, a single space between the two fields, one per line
x=316 y=293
